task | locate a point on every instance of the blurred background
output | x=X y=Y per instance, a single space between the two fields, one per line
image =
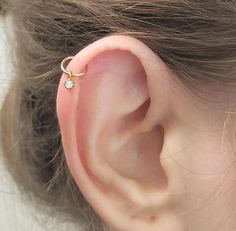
x=15 y=213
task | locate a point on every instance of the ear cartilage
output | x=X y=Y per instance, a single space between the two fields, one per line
x=69 y=83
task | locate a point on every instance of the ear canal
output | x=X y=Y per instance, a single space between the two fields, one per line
x=139 y=156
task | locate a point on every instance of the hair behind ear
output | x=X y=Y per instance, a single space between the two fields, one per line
x=3 y=7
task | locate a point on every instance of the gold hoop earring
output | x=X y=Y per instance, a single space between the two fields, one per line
x=69 y=83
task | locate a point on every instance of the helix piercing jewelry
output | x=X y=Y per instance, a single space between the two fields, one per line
x=69 y=83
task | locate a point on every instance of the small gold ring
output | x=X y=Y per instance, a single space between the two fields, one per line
x=70 y=73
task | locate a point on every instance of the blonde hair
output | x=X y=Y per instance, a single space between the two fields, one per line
x=196 y=39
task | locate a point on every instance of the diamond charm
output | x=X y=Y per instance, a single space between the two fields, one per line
x=69 y=84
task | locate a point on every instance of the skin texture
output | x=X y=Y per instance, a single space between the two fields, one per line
x=141 y=149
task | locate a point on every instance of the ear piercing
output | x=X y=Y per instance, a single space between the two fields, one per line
x=69 y=83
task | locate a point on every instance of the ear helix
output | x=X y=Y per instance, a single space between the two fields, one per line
x=69 y=83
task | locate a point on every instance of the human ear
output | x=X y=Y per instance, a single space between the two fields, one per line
x=114 y=124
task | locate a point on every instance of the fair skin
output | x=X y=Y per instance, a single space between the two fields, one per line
x=144 y=152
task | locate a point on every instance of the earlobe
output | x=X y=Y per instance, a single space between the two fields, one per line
x=113 y=132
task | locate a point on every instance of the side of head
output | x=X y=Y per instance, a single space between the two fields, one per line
x=146 y=137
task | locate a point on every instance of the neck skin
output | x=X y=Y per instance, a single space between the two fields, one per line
x=205 y=155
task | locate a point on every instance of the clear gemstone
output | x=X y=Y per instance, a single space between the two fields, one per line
x=69 y=84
